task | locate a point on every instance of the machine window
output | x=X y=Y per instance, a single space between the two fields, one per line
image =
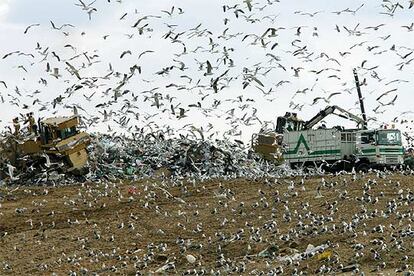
x=389 y=137
x=367 y=138
x=67 y=132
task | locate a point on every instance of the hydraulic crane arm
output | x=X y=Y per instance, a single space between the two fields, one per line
x=361 y=100
x=331 y=110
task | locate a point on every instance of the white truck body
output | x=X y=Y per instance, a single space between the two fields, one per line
x=332 y=145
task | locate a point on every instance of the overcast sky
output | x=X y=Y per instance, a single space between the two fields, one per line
x=263 y=61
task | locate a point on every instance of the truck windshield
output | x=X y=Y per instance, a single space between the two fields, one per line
x=390 y=137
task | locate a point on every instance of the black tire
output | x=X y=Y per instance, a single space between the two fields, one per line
x=362 y=167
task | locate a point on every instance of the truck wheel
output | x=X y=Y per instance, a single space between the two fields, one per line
x=363 y=167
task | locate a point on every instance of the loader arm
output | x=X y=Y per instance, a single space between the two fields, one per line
x=331 y=110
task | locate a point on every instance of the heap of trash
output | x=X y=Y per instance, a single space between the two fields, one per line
x=153 y=155
x=118 y=157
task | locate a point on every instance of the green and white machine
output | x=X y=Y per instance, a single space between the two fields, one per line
x=343 y=148
x=297 y=143
x=380 y=147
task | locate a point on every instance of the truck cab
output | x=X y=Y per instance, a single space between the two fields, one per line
x=380 y=147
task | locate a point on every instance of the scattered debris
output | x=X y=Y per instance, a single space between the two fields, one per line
x=151 y=156
x=309 y=252
x=269 y=251
x=325 y=255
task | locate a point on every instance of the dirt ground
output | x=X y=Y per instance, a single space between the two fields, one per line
x=200 y=227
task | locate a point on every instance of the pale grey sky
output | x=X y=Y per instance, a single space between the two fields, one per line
x=212 y=41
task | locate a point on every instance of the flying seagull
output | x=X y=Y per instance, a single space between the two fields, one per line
x=30 y=26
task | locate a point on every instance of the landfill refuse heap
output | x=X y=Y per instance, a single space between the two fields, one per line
x=155 y=155
x=117 y=157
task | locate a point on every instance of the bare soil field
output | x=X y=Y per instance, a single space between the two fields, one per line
x=328 y=225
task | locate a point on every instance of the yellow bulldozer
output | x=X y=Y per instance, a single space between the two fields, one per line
x=55 y=140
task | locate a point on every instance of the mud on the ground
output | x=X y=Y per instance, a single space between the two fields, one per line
x=141 y=226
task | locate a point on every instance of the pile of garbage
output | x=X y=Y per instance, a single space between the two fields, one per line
x=148 y=156
x=178 y=157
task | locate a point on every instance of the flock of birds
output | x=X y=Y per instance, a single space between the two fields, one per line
x=197 y=79
x=195 y=73
x=354 y=223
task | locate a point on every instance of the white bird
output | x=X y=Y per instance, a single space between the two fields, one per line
x=190 y=258
x=56 y=73
x=10 y=170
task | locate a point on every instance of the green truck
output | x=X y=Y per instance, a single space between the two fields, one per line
x=301 y=143
x=336 y=148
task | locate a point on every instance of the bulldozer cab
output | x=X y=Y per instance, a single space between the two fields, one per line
x=58 y=128
x=289 y=122
x=60 y=136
